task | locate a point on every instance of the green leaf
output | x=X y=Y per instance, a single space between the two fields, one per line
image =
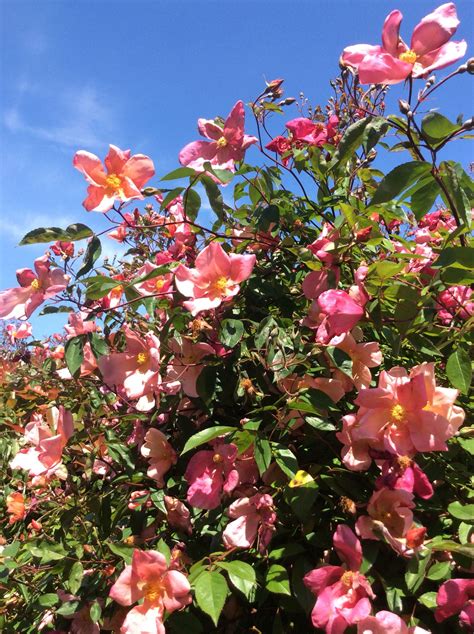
x=99 y=346
x=458 y=197
x=75 y=577
x=416 y=570
x=206 y=384
x=205 y=435
x=231 y=332
x=459 y=257
x=49 y=599
x=211 y=592
x=163 y=548
x=319 y=423
x=424 y=197
x=242 y=576
x=93 y=251
x=170 y=196
x=262 y=454
x=214 y=196
x=180 y=172
x=351 y=140
x=459 y=370
x=439 y=570
x=466 y=550
x=436 y=128
x=277 y=580
x=191 y=203
x=460 y=511
x=74 y=354
x=51 y=310
x=123 y=551
x=428 y=599
x=312 y=401
x=99 y=286
x=285 y=459
x=340 y=359
x=51 y=234
x=396 y=181
x=95 y=612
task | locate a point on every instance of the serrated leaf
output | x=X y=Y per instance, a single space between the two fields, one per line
x=205 y=435
x=211 y=591
x=277 y=580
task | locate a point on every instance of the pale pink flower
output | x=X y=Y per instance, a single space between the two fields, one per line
x=407 y=413
x=363 y=356
x=35 y=288
x=343 y=593
x=316 y=282
x=456 y=596
x=210 y=474
x=226 y=145
x=355 y=453
x=394 y=61
x=323 y=247
x=136 y=370
x=252 y=516
x=385 y=622
x=64 y=249
x=186 y=364
x=22 y=331
x=215 y=279
x=48 y=438
x=160 y=455
x=125 y=177
x=454 y=303
x=178 y=515
x=149 y=578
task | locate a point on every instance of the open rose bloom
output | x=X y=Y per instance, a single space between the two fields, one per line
x=35 y=288
x=150 y=579
x=394 y=61
x=252 y=516
x=122 y=179
x=159 y=453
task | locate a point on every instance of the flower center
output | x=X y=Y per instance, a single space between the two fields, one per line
x=142 y=357
x=408 y=56
x=404 y=462
x=347 y=578
x=222 y=142
x=153 y=591
x=397 y=413
x=220 y=284
x=113 y=182
x=35 y=284
x=217 y=458
x=160 y=282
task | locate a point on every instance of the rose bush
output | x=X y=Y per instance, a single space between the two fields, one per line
x=255 y=421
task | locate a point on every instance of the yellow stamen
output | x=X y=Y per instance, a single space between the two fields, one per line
x=347 y=578
x=153 y=590
x=220 y=284
x=398 y=413
x=217 y=458
x=142 y=357
x=160 y=282
x=408 y=56
x=35 y=284
x=113 y=182
x=222 y=142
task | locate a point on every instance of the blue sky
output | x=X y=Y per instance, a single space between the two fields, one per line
x=137 y=73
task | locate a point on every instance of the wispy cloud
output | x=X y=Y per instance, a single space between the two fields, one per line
x=27 y=222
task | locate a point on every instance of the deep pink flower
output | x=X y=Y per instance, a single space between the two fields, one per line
x=385 y=622
x=323 y=246
x=161 y=588
x=456 y=596
x=227 y=145
x=22 y=331
x=454 y=303
x=343 y=593
x=64 y=249
x=35 y=288
x=400 y=472
x=313 y=133
x=281 y=145
x=215 y=279
x=251 y=516
x=210 y=474
x=338 y=314
x=159 y=453
x=125 y=177
x=394 y=61
x=136 y=370
x=407 y=413
x=186 y=364
x=43 y=459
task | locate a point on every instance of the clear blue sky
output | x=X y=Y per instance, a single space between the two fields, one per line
x=82 y=74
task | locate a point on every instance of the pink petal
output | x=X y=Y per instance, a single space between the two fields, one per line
x=12 y=302
x=353 y=55
x=144 y=619
x=234 y=125
x=435 y=29
x=25 y=277
x=440 y=58
x=316 y=580
x=122 y=591
x=383 y=68
x=139 y=169
x=209 y=129
x=177 y=591
x=391 y=32
x=91 y=166
x=241 y=533
x=241 y=266
x=116 y=159
x=97 y=200
x=348 y=547
x=197 y=150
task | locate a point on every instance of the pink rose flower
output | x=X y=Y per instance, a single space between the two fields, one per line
x=178 y=515
x=160 y=455
x=355 y=453
x=313 y=133
x=35 y=288
x=394 y=61
x=363 y=355
x=338 y=314
x=43 y=459
x=456 y=596
x=64 y=249
x=125 y=177
x=281 y=145
x=253 y=516
x=210 y=474
x=227 y=145
x=385 y=622
x=343 y=593
x=215 y=279
x=186 y=366
x=136 y=370
x=161 y=588
x=160 y=286
x=400 y=472
x=407 y=413
x=22 y=331
x=454 y=303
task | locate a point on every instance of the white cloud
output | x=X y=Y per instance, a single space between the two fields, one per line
x=27 y=222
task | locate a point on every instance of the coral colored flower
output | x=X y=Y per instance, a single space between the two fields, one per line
x=48 y=439
x=178 y=515
x=253 y=516
x=389 y=513
x=15 y=507
x=160 y=286
x=22 y=331
x=215 y=279
x=385 y=622
x=125 y=177
x=186 y=364
x=64 y=249
x=355 y=453
x=79 y=325
x=363 y=356
x=338 y=314
x=136 y=370
x=149 y=578
x=159 y=453
x=407 y=413
x=454 y=303
x=456 y=596
x=343 y=593
x=35 y=288
x=394 y=61
x=227 y=144
x=210 y=474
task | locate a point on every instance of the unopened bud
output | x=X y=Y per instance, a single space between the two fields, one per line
x=347 y=505
x=469 y=124
x=287 y=102
x=430 y=81
x=404 y=106
x=470 y=65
